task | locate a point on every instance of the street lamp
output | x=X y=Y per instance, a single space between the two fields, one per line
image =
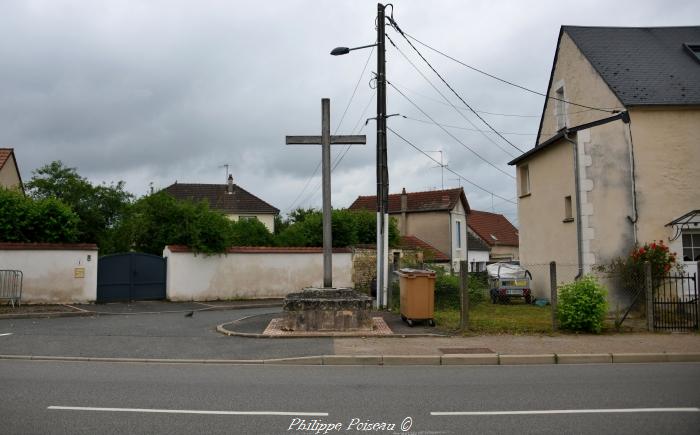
x=382 y=171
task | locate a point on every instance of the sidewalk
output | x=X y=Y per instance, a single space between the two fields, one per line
x=164 y=332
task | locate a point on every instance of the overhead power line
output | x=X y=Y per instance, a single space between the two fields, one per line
x=449 y=169
x=450 y=134
x=459 y=112
x=406 y=35
x=318 y=165
x=466 y=128
x=450 y=86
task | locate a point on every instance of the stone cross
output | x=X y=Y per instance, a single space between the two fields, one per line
x=326 y=140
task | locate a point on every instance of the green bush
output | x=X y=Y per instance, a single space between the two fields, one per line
x=447 y=289
x=582 y=305
x=25 y=220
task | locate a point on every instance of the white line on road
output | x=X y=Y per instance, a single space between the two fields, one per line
x=7 y=333
x=187 y=411
x=569 y=411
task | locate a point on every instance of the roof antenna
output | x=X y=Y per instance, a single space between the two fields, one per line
x=225 y=165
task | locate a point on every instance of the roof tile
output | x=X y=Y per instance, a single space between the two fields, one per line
x=493 y=228
x=240 y=201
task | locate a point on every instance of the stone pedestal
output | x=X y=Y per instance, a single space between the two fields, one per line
x=328 y=309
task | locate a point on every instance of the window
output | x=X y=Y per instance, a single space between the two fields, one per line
x=691 y=246
x=248 y=218
x=568 y=213
x=524 y=180
x=459 y=234
x=560 y=108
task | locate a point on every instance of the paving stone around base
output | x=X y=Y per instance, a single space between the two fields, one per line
x=276 y=325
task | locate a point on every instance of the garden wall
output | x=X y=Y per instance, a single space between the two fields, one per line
x=250 y=272
x=53 y=272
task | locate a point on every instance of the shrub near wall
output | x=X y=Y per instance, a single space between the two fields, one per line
x=582 y=305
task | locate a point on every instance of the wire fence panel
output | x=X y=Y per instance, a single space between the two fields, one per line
x=11 y=286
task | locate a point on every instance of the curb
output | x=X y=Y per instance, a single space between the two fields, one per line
x=231 y=333
x=401 y=360
x=88 y=313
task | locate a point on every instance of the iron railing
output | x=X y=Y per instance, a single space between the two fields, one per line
x=11 y=286
x=675 y=303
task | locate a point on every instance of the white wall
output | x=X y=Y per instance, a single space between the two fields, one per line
x=476 y=257
x=250 y=273
x=51 y=271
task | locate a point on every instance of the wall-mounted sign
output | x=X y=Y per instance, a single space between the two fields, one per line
x=79 y=272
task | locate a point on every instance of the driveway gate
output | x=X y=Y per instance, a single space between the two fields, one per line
x=130 y=276
x=675 y=303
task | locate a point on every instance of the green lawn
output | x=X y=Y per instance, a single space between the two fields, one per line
x=498 y=319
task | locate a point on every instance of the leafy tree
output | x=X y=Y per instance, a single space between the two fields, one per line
x=159 y=219
x=26 y=220
x=250 y=232
x=100 y=208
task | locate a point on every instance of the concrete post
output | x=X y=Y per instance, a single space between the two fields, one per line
x=649 y=296
x=553 y=293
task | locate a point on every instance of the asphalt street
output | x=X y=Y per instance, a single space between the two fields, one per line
x=164 y=335
x=113 y=398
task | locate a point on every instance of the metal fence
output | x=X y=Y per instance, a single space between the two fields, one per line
x=11 y=286
x=675 y=303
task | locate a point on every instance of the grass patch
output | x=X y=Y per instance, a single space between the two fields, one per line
x=500 y=319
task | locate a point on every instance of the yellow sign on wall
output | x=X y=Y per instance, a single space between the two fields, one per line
x=79 y=272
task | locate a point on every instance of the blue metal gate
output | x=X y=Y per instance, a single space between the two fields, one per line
x=130 y=276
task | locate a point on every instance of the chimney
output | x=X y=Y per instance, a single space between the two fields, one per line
x=404 y=200
x=230 y=184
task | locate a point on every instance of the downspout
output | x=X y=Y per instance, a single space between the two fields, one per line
x=634 y=220
x=579 y=227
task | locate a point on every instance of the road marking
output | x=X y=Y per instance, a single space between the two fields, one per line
x=569 y=411
x=6 y=333
x=186 y=411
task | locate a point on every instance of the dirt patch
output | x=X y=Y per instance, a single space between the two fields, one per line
x=30 y=309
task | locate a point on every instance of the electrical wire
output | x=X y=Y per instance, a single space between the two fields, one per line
x=318 y=165
x=406 y=35
x=448 y=101
x=451 y=88
x=450 y=134
x=450 y=170
x=467 y=129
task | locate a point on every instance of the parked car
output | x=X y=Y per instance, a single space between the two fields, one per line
x=508 y=280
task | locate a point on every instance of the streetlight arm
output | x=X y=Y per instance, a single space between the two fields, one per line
x=338 y=51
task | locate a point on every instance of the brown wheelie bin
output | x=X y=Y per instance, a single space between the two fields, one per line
x=417 y=295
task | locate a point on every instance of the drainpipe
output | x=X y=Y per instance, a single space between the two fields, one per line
x=579 y=227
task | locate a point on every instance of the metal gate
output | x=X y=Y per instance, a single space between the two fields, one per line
x=130 y=276
x=675 y=303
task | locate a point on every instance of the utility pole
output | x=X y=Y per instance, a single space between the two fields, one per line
x=382 y=169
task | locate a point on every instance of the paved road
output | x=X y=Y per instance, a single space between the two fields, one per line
x=165 y=335
x=375 y=394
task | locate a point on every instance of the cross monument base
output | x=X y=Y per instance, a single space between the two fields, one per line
x=328 y=309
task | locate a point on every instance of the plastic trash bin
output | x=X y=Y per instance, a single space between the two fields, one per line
x=417 y=295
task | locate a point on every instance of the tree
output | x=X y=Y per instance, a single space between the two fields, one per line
x=25 y=220
x=99 y=208
x=250 y=232
x=159 y=219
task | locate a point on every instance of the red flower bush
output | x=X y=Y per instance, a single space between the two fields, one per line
x=662 y=261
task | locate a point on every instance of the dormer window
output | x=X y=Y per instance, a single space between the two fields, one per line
x=694 y=49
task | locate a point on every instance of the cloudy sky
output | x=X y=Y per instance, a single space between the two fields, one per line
x=159 y=91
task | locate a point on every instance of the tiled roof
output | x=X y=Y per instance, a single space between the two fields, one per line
x=493 y=228
x=433 y=200
x=5 y=154
x=240 y=201
x=643 y=65
x=13 y=246
x=476 y=244
x=265 y=250
x=413 y=242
